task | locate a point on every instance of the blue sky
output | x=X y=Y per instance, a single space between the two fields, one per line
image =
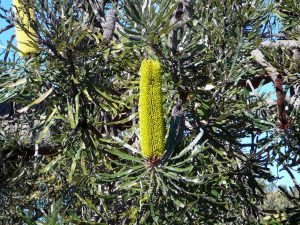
x=4 y=37
x=286 y=180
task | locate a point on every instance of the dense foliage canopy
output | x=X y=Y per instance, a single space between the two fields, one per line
x=70 y=149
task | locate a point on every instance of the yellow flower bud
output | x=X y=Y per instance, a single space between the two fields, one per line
x=25 y=34
x=151 y=110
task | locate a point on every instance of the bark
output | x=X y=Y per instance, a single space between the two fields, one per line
x=281 y=43
x=260 y=58
x=283 y=122
x=97 y=8
x=277 y=78
x=109 y=24
x=106 y=21
x=180 y=17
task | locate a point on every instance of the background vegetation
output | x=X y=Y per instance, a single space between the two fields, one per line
x=69 y=137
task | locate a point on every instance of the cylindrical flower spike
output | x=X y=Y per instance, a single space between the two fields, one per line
x=151 y=110
x=25 y=34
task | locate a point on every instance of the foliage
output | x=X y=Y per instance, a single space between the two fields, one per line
x=71 y=153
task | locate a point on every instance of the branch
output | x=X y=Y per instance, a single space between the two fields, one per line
x=255 y=81
x=110 y=23
x=282 y=43
x=9 y=26
x=7 y=19
x=260 y=58
x=181 y=16
x=8 y=47
x=105 y=21
x=280 y=94
x=282 y=36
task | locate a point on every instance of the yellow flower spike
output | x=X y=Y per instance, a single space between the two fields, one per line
x=25 y=34
x=151 y=110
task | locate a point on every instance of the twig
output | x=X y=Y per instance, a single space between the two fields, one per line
x=293 y=178
x=9 y=26
x=8 y=47
x=5 y=18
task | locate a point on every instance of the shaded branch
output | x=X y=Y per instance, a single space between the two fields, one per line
x=180 y=17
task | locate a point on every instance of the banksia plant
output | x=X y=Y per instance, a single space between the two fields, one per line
x=25 y=34
x=151 y=111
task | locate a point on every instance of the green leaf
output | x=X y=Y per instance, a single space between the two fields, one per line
x=123 y=155
x=123 y=121
x=124 y=144
x=14 y=83
x=46 y=128
x=88 y=203
x=88 y=96
x=71 y=116
x=76 y=109
x=37 y=101
x=190 y=146
x=51 y=164
x=74 y=163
